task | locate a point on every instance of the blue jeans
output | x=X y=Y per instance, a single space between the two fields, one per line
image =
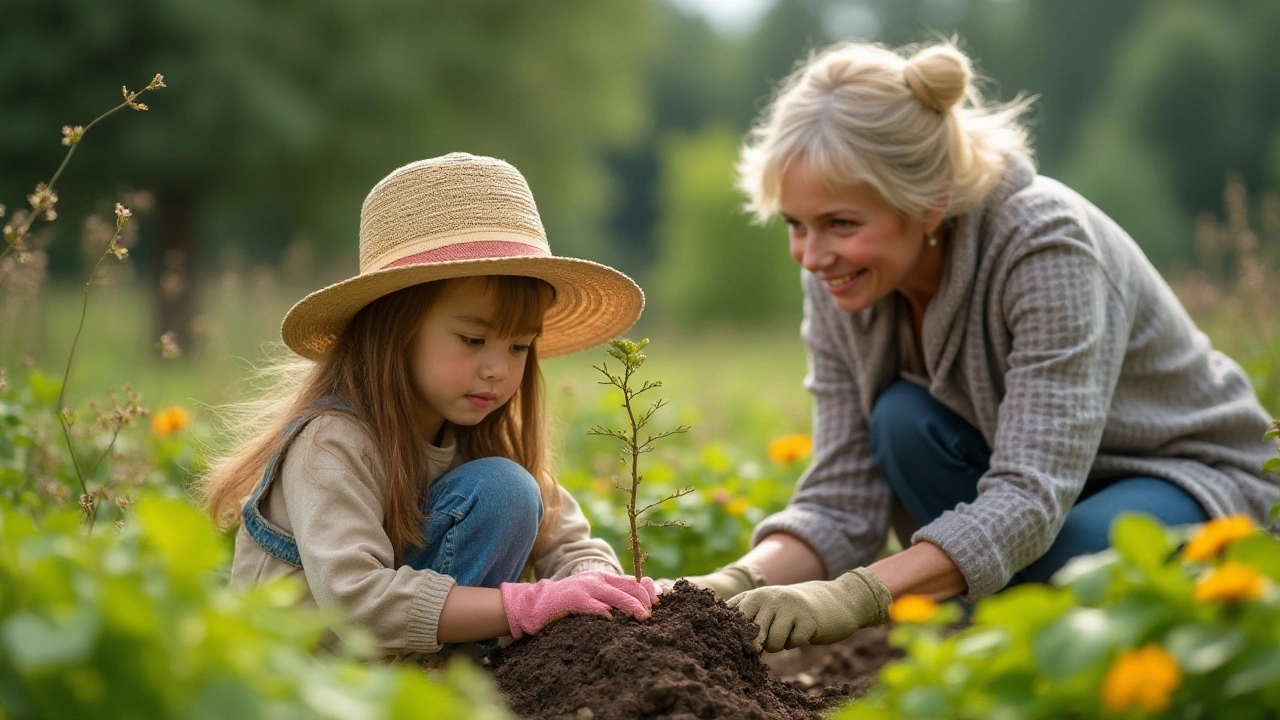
x=933 y=460
x=480 y=523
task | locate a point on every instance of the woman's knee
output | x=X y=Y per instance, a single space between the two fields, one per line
x=914 y=434
x=896 y=418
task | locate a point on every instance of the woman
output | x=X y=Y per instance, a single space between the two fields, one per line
x=992 y=359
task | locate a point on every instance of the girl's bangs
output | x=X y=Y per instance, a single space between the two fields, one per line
x=521 y=303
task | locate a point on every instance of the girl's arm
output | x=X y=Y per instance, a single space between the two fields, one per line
x=471 y=614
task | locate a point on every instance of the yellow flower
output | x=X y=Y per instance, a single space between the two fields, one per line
x=1215 y=535
x=169 y=421
x=790 y=448
x=912 y=609
x=1143 y=678
x=737 y=507
x=1231 y=582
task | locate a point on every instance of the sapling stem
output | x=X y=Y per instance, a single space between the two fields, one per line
x=628 y=353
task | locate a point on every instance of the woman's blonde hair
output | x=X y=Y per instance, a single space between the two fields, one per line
x=910 y=123
x=371 y=376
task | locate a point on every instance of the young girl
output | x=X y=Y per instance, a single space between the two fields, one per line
x=402 y=474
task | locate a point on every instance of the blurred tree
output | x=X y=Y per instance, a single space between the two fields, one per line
x=286 y=113
x=1182 y=107
x=714 y=265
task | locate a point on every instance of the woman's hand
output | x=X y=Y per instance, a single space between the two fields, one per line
x=726 y=582
x=817 y=612
x=532 y=606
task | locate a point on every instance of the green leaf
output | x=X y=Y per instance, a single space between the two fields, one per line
x=981 y=642
x=1204 y=648
x=1260 y=668
x=1023 y=608
x=1260 y=550
x=1076 y=642
x=182 y=534
x=1138 y=613
x=35 y=642
x=1272 y=466
x=1140 y=540
x=1089 y=576
x=924 y=701
x=222 y=697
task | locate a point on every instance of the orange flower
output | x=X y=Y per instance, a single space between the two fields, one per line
x=1215 y=535
x=1231 y=582
x=1143 y=678
x=737 y=507
x=912 y=609
x=169 y=421
x=790 y=448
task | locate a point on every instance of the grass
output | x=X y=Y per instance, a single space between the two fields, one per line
x=715 y=380
x=723 y=382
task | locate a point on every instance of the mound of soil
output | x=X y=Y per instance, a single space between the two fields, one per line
x=692 y=659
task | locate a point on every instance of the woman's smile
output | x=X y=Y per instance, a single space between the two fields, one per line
x=844 y=284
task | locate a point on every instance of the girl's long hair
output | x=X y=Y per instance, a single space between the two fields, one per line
x=369 y=371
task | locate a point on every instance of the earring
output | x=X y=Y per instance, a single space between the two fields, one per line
x=933 y=241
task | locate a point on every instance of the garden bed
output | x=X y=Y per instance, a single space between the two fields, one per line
x=692 y=659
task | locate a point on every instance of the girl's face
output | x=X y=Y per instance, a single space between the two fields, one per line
x=462 y=370
x=858 y=246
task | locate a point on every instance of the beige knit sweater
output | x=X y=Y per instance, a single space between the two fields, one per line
x=1056 y=338
x=329 y=496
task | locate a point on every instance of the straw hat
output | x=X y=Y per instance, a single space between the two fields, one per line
x=456 y=216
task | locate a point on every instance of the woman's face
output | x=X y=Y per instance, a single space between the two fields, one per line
x=858 y=246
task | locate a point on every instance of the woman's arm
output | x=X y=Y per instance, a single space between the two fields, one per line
x=784 y=559
x=922 y=569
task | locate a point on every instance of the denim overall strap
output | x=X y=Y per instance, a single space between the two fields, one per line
x=273 y=539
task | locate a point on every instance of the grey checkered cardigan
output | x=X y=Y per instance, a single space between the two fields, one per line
x=1056 y=338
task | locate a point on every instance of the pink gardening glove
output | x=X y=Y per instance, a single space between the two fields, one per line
x=531 y=606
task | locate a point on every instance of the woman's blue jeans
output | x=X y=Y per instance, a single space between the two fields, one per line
x=933 y=460
x=481 y=519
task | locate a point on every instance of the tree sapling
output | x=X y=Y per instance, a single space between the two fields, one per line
x=628 y=353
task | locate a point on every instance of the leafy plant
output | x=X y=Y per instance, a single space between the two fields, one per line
x=138 y=624
x=628 y=353
x=17 y=235
x=1147 y=628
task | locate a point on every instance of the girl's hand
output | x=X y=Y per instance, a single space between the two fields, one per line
x=532 y=606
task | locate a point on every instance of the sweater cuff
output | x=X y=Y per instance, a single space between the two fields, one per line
x=971 y=549
x=592 y=564
x=837 y=552
x=424 y=613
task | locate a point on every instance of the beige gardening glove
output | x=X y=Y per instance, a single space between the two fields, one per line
x=816 y=612
x=726 y=582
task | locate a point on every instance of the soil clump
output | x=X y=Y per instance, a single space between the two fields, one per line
x=692 y=659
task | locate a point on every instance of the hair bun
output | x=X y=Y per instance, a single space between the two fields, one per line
x=939 y=76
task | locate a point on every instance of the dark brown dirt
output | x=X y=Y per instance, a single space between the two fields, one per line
x=692 y=659
x=850 y=664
